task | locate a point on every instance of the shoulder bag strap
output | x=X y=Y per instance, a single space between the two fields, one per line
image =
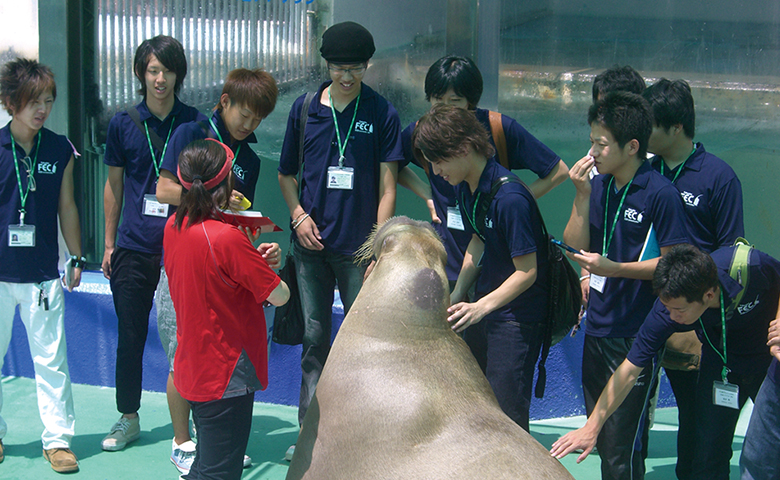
x=497 y=130
x=157 y=142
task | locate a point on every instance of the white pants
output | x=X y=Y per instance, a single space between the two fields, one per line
x=46 y=336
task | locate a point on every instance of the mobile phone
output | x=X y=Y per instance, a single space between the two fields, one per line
x=555 y=241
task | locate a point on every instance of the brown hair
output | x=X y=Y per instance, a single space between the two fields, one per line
x=447 y=132
x=199 y=162
x=254 y=88
x=22 y=80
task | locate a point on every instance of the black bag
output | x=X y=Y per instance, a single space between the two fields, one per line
x=288 y=319
x=565 y=293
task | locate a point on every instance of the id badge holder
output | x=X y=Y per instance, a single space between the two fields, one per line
x=21 y=235
x=153 y=208
x=597 y=282
x=341 y=178
x=454 y=219
x=725 y=394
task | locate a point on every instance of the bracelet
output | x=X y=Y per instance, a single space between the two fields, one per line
x=78 y=261
x=299 y=216
x=584 y=277
x=298 y=223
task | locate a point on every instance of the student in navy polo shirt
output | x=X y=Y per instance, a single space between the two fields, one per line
x=712 y=196
x=36 y=190
x=351 y=149
x=611 y=224
x=457 y=81
x=696 y=291
x=504 y=322
x=133 y=249
x=248 y=96
x=762 y=439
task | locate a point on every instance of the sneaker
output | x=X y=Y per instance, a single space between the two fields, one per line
x=125 y=431
x=62 y=460
x=289 y=453
x=183 y=455
x=247 y=461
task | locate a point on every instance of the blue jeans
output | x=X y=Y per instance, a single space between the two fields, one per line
x=318 y=274
x=507 y=352
x=761 y=450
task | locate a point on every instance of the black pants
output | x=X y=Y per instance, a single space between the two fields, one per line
x=622 y=443
x=223 y=433
x=683 y=385
x=134 y=277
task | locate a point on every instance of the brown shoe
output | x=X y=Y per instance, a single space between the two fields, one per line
x=62 y=460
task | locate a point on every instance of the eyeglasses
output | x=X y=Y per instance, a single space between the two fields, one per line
x=28 y=167
x=356 y=72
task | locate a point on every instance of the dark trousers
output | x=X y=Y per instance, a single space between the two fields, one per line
x=684 y=387
x=223 y=433
x=507 y=352
x=715 y=425
x=134 y=277
x=318 y=274
x=622 y=443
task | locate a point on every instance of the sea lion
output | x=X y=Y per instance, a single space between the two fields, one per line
x=401 y=396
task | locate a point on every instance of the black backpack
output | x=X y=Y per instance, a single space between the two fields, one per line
x=565 y=294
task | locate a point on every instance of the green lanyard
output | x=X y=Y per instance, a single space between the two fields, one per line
x=219 y=137
x=343 y=147
x=165 y=147
x=473 y=212
x=680 y=168
x=607 y=239
x=725 y=371
x=23 y=193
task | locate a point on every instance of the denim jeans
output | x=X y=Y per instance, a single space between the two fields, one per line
x=318 y=274
x=507 y=352
x=761 y=450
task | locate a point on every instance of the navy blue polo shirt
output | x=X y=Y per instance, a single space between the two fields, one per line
x=128 y=147
x=712 y=196
x=344 y=217
x=746 y=328
x=524 y=152
x=512 y=228
x=39 y=263
x=246 y=165
x=619 y=311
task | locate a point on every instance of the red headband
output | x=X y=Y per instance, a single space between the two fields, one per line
x=209 y=184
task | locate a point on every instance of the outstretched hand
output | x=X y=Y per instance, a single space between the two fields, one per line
x=581 y=439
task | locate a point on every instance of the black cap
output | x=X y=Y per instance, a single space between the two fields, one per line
x=347 y=42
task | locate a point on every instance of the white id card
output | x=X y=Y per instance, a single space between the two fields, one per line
x=153 y=208
x=454 y=219
x=21 y=235
x=725 y=395
x=341 y=178
x=597 y=282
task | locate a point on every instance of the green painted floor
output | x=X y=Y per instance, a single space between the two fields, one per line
x=274 y=428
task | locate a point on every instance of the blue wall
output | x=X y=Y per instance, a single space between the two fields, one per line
x=91 y=332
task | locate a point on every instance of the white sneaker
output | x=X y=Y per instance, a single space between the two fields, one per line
x=247 y=461
x=289 y=453
x=183 y=455
x=124 y=431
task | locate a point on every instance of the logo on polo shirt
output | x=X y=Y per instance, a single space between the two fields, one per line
x=631 y=215
x=689 y=199
x=363 y=126
x=47 y=168
x=488 y=223
x=746 y=307
x=239 y=172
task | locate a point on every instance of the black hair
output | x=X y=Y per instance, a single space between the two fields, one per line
x=22 y=80
x=168 y=51
x=672 y=104
x=618 y=79
x=447 y=132
x=685 y=271
x=200 y=161
x=460 y=73
x=627 y=116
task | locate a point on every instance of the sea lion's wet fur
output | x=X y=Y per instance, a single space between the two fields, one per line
x=401 y=396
